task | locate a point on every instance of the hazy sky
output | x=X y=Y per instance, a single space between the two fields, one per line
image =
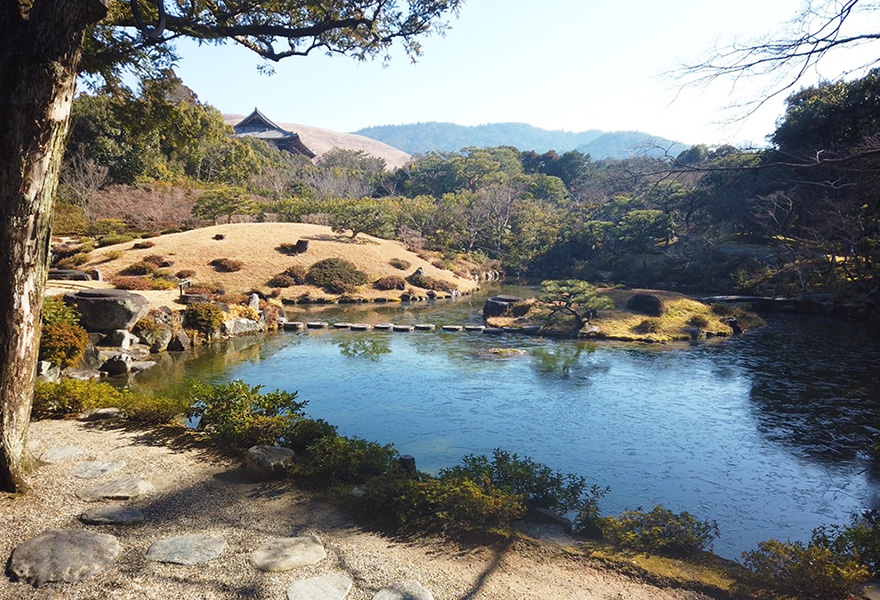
x=557 y=64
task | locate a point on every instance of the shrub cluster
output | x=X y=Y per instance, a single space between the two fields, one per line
x=139 y=268
x=281 y=281
x=649 y=325
x=158 y=260
x=113 y=239
x=335 y=275
x=56 y=311
x=143 y=245
x=240 y=415
x=226 y=265
x=131 y=283
x=431 y=283
x=390 y=282
x=185 y=274
x=660 y=531
x=70 y=396
x=63 y=344
x=204 y=317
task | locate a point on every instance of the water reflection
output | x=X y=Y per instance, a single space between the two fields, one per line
x=372 y=349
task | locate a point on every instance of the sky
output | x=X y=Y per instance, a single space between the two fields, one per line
x=571 y=65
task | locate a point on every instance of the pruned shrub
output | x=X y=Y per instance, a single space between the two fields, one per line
x=698 y=321
x=153 y=410
x=63 y=344
x=281 y=281
x=185 y=274
x=231 y=298
x=56 y=311
x=143 y=245
x=660 y=531
x=306 y=432
x=204 y=317
x=390 y=282
x=240 y=415
x=649 y=325
x=399 y=263
x=158 y=260
x=298 y=272
x=69 y=396
x=809 y=572
x=226 y=265
x=113 y=239
x=139 y=268
x=112 y=255
x=131 y=283
x=350 y=460
x=162 y=283
x=219 y=236
x=335 y=275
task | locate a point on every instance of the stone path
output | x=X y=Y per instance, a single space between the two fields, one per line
x=71 y=555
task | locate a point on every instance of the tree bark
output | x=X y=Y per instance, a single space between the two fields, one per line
x=39 y=58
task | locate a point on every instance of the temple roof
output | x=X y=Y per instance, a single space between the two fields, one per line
x=262 y=127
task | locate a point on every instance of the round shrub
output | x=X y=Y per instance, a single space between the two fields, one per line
x=157 y=259
x=204 y=317
x=649 y=325
x=143 y=245
x=698 y=321
x=431 y=283
x=335 y=275
x=162 y=283
x=69 y=396
x=390 y=282
x=185 y=274
x=281 y=281
x=298 y=272
x=114 y=238
x=63 y=344
x=226 y=265
x=139 y=268
x=661 y=531
x=399 y=263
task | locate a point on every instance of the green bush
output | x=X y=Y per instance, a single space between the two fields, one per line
x=809 y=572
x=240 y=415
x=226 y=265
x=281 y=281
x=860 y=539
x=123 y=282
x=390 y=282
x=70 y=396
x=56 y=311
x=139 y=268
x=63 y=344
x=352 y=460
x=204 y=317
x=431 y=283
x=538 y=485
x=649 y=325
x=660 y=531
x=298 y=272
x=113 y=239
x=154 y=410
x=335 y=275
x=307 y=432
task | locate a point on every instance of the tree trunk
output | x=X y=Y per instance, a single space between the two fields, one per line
x=38 y=67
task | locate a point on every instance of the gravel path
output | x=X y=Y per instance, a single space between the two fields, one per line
x=198 y=492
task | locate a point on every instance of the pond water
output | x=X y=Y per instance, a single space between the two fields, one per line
x=768 y=433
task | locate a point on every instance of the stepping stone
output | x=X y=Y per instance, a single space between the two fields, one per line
x=63 y=555
x=283 y=554
x=316 y=325
x=59 y=453
x=187 y=549
x=402 y=328
x=294 y=326
x=383 y=326
x=112 y=515
x=361 y=327
x=97 y=468
x=425 y=327
x=100 y=414
x=266 y=462
x=474 y=327
x=341 y=325
x=452 y=328
x=493 y=330
x=116 y=489
x=332 y=586
x=404 y=590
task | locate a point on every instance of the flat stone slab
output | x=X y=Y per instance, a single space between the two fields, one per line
x=341 y=325
x=97 y=468
x=361 y=327
x=100 y=414
x=63 y=555
x=409 y=589
x=474 y=327
x=283 y=554
x=551 y=533
x=124 y=488
x=59 y=453
x=452 y=328
x=402 y=328
x=332 y=586
x=187 y=549
x=112 y=515
x=425 y=327
x=383 y=326
x=316 y=325
x=294 y=326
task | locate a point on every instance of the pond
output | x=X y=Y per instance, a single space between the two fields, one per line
x=768 y=433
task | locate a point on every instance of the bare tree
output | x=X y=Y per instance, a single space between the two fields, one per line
x=83 y=178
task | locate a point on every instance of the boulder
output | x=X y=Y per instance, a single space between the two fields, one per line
x=108 y=310
x=46 y=371
x=240 y=326
x=254 y=301
x=179 y=342
x=266 y=462
x=69 y=275
x=100 y=414
x=121 y=338
x=68 y=555
x=498 y=305
x=645 y=304
x=117 y=364
x=156 y=336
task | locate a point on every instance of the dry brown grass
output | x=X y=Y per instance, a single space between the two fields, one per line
x=254 y=244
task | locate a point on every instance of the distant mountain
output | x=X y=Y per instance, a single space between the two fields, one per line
x=448 y=137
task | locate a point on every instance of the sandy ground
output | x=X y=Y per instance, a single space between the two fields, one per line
x=199 y=492
x=254 y=244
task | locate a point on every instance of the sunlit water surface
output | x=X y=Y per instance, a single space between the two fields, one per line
x=768 y=434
